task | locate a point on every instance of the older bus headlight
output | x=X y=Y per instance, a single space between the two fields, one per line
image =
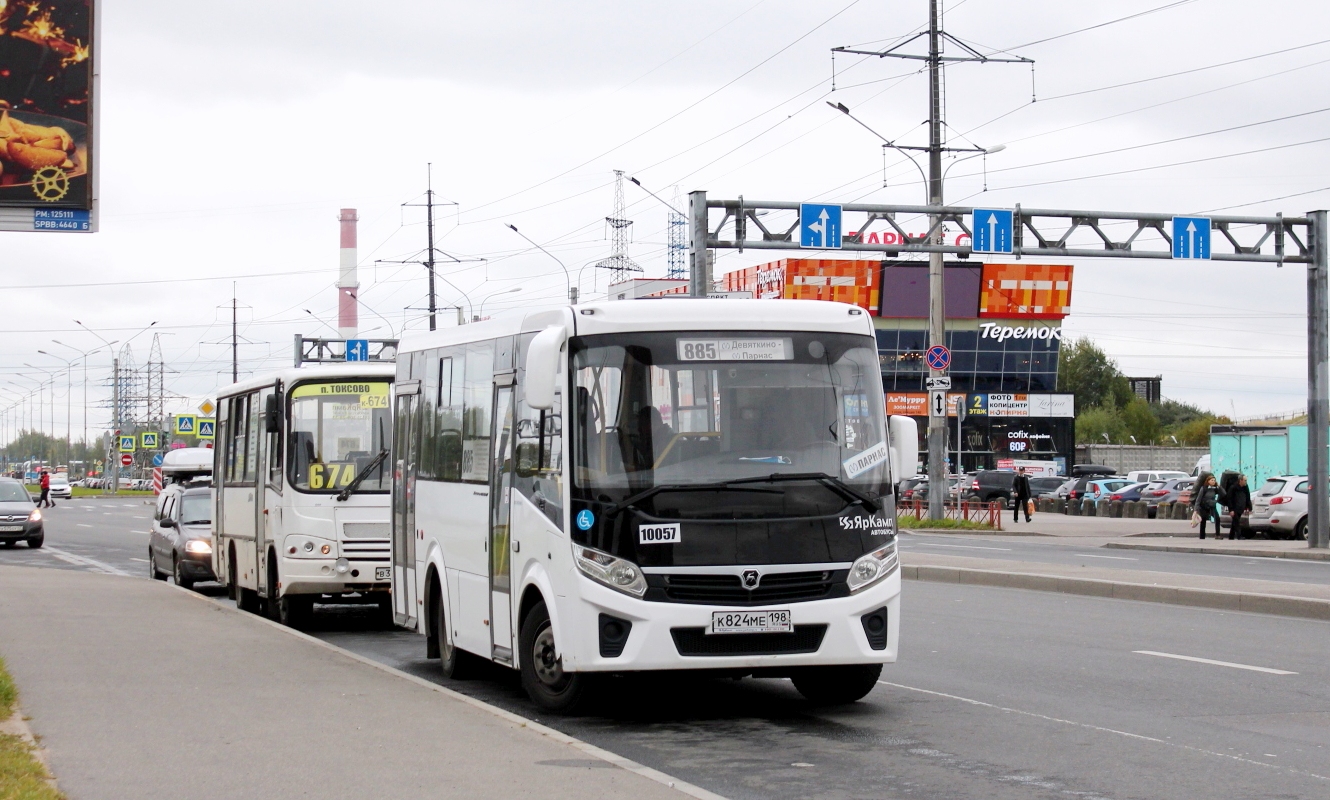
x=873 y=567
x=615 y=573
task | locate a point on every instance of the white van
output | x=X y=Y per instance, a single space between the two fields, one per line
x=1152 y=475
x=1202 y=465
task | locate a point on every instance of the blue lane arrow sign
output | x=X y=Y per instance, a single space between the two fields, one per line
x=357 y=350
x=1191 y=237
x=820 y=226
x=993 y=230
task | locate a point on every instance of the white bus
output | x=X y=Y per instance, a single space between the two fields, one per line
x=659 y=484
x=302 y=487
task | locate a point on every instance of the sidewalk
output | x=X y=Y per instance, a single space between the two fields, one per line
x=1234 y=594
x=138 y=690
x=1262 y=548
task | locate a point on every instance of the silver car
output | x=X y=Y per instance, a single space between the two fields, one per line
x=20 y=521
x=181 y=542
x=1279 y=507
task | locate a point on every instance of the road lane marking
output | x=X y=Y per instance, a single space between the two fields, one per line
x=84 y=561
x=83 y=525
x=1215 y=663
x=1115 y=558
x=1113 y=731
x=962 y=546
x=144 y=560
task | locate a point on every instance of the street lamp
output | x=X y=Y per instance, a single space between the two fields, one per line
x=84 y=355
x=51 y=377
x=481 y=315
x=69 y=391
x=567 y=281
x=1106 y=440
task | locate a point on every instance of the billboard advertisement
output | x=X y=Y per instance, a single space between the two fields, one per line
x=46 y=114
x=840 y=280
x=1025 y=291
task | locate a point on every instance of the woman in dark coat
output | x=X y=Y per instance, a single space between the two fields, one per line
x=1239 y=503
x=1206 y=503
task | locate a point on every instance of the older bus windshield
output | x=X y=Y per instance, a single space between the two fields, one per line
x=337 y=430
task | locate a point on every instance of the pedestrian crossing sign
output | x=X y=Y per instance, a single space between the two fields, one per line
x=207 y=428
x=148 y=441
x=127 y=443
x=185 y=424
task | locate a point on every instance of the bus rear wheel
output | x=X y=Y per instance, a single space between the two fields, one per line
x=543 y=676
x=840 y=685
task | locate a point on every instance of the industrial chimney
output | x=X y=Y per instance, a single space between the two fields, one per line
x=347 y=284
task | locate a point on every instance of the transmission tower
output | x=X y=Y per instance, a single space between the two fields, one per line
x=678 y=241
x=619 y=264
x=155 y=377
x=129 y=395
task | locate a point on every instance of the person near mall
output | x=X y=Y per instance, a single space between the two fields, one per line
x=1020 y=490
x=1206 y=504
x=1238 y=501
x=45 y=483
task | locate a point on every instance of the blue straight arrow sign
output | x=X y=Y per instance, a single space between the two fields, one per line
x=993 y=230
x=1191 y=237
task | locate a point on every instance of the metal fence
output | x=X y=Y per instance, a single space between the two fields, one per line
x=1128 y=457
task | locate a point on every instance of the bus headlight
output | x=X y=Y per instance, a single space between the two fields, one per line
x=615 y=573
x=197 y=546
x=873 y=567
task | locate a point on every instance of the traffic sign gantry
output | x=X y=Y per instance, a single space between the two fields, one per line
x=185 y=424
x=820 y=226
x=993 y=230
x=1191 y=237
x=126 y=460
x=939 y=357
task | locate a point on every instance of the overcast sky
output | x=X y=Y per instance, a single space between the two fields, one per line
x=232 y=133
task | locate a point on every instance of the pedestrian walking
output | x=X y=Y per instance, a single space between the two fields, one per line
x=1206 y=504
x=1239 y=503
x=45 y=483
x=1020 y=490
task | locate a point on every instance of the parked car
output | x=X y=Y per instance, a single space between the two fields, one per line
x=991 y=484
x=1064 y=488
x=1044 y=486
x=1092 y=471
x=60 y=486
x=953 y=488
x=1129 y=493
x=905 y=489
x=181 y=541
x=1279 y=507
x=1169 y=491
x=1152 y=475
x=20 y=521
x=1096 y=488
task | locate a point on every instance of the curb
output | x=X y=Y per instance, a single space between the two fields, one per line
x=17 y=725
x=972 y=532
x=517 y=720
x=1302 y=607
x=1300 y=555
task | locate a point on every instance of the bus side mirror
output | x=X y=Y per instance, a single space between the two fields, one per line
x=904 y=434
x=542 y=366
x=272 y=413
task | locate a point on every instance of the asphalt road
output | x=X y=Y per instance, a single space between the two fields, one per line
x=999 y=693
x=1063 y=552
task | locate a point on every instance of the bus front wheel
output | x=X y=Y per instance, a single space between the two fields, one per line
x=456 y=664
x=543 y=676
x=839 y=685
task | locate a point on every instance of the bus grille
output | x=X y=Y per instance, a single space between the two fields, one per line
x=366 y=530
x=696 y=642
x=368 y=550
x=728 y=590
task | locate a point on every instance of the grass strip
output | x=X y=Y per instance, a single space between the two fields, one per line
x=911 y=521
x=22 y=776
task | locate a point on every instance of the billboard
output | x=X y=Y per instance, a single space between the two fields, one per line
x=980 y=404
x=1025 y=291
x=841 y=280
x=47 y=115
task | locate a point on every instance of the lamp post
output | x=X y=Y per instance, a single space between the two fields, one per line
x=481 y=315
x=567 y=280
x=84 y=354
x=69 y=390
x=113 y=485
x=51 y=378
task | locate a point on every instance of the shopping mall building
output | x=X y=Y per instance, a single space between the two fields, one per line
x=1004 y=330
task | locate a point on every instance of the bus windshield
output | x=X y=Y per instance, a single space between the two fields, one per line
x=787 y=413
x=337 y=430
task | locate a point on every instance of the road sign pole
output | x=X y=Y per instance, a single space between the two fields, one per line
x=699 y=283
x=1318 y=383
x=937 y=428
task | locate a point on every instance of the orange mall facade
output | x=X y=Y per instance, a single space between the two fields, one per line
x=1004 y=330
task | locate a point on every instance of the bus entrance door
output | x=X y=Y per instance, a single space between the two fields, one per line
x=404 y=506
x=500 y=560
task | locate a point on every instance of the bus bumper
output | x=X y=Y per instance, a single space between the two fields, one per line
x=673 y=636
x=321 y=576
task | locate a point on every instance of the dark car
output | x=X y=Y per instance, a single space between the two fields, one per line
x=1092 y=471
x=19 y=520
x=991 y=484
x=182 y=537
x=1045 y=485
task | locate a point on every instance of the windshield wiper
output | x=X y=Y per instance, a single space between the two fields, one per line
x=830 y=481
x=356 y=481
